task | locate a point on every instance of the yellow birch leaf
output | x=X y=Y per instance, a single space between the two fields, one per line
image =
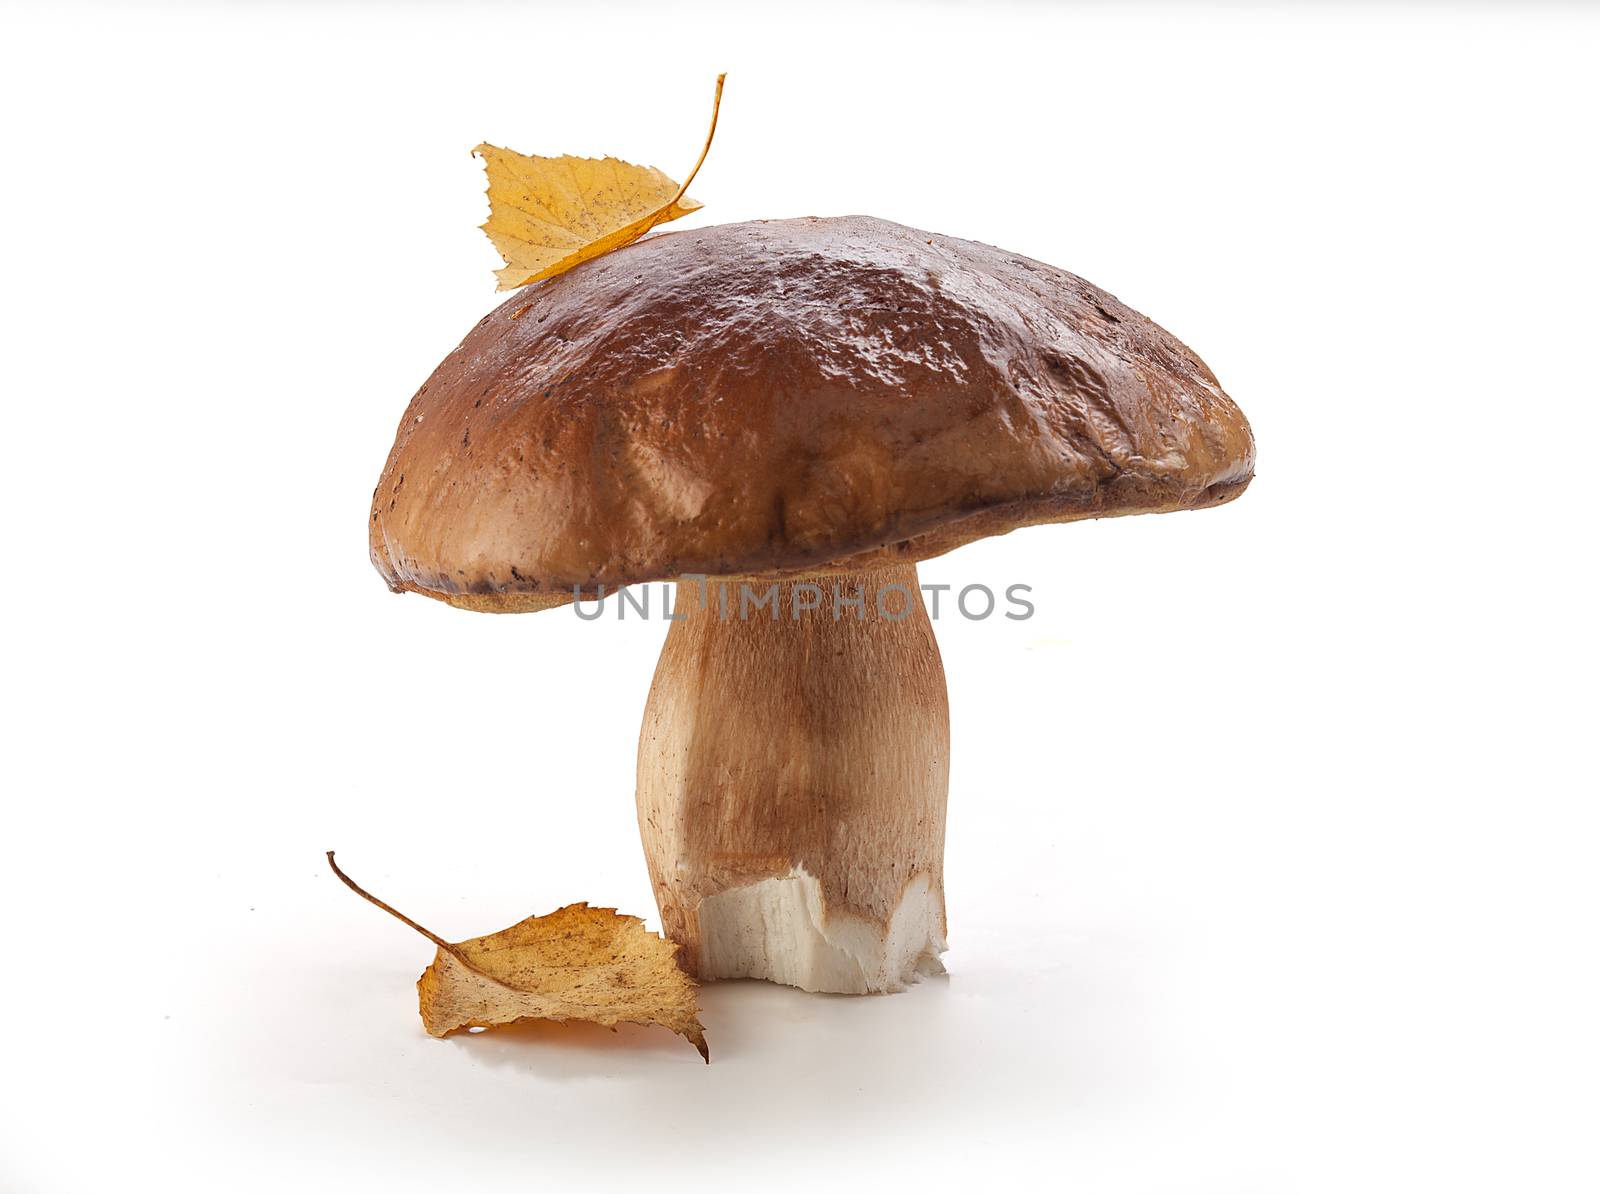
x=577 y=963
x=547 y=215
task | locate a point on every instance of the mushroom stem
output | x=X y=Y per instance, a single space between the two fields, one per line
x=793 y=772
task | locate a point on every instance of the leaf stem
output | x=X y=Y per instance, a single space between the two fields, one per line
x=397 y=914
x=716 y=105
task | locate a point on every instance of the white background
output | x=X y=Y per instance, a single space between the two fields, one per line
x=1272 y=836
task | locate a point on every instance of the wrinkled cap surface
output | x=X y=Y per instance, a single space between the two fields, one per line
x=787 y=396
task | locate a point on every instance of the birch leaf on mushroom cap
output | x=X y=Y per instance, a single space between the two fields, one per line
x=547 y=215
x=821 y=401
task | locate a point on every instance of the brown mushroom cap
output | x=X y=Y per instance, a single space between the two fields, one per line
x=787 y=396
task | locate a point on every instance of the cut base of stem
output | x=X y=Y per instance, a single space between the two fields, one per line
x=778 y=929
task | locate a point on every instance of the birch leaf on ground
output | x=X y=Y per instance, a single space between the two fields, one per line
x=577 y=963
x=547 y=215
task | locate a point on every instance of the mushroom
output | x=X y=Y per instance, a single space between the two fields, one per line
x=784 y=417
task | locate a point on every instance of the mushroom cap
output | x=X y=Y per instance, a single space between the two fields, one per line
x=787 y=396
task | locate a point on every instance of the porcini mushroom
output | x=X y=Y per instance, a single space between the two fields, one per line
x=815 y=404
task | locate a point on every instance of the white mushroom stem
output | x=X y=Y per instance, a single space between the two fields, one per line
x=793 y=772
